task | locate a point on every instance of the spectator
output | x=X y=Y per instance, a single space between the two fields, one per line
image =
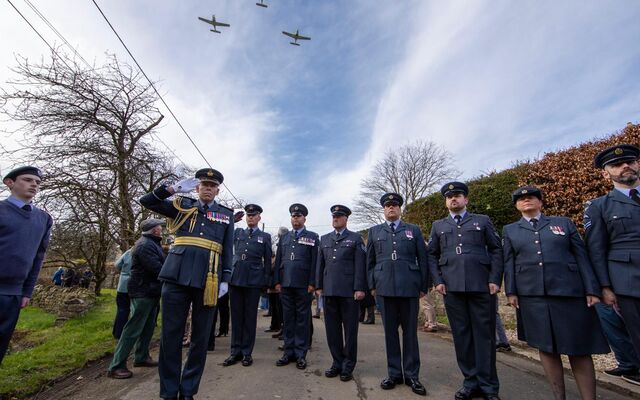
x=123 y=303
x=57 y=276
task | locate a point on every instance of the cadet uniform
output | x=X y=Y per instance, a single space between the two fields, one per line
x=397 y=269
x=466 y=255
x=251 y=272
x=295 y=270
x=204 y=240
x=612 y=234
x=341 y=272
x=547 y=267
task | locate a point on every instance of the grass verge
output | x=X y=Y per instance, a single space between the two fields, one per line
x=53 y=351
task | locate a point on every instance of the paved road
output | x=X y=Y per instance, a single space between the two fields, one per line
x=520 y=378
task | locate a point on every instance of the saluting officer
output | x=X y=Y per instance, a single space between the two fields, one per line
x=251 y=272
x=341 y=280
x=196 y=267
x=548 y=277
x=398 y=274
x=612 y=233
x=295 y=275
x=466 y=266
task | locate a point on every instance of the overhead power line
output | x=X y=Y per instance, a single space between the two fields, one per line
x=159 y=95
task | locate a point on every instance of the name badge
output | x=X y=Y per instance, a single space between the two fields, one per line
x=557 y=230
x=409 y=234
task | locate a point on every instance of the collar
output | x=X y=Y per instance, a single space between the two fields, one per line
x=209 y=204
x=396 y=222
x=626 y=191
x=19 y=203
x=340 y=232
x=461 y=214
x=528 y=219
x=256 y=229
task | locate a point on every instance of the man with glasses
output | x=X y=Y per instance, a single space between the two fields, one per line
x=612 y=234
x=295 y=270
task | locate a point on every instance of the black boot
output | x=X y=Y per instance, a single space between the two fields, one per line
x=371 y=317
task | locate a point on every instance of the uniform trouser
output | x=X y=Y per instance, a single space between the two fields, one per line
x=123 y=304
x=401 y=312
x=615 y=331
x=472 y=317
x=630 y=310
x=501 y=335
x=428 y=305
x=341 y=323
x=296 y=312
x=10 y=306
x=275 y=307
x=137 y=332
x=244 y=313
x=175 y=309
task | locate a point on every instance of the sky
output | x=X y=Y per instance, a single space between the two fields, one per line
x=491 y=81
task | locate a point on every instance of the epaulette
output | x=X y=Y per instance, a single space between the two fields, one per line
x=187 y=200
x=226 y=208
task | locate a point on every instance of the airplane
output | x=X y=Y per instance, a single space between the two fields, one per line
x=261 y=4
x=214 y=23
x=296 y=37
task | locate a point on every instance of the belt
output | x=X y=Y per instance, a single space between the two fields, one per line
x=199 y=242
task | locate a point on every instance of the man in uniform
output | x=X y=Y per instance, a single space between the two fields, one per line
x=398 y=273
x=295 y=273
x=25 y=236
x=251 y=272
x=465 y=257
x=341 y=280
x=612 y=234
x=198 y=263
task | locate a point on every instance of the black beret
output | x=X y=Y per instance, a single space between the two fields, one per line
x=150 y=223
x=210 y=174
x=297 y=208
x=253 y=209
x=454 y=187
x=339 y=209
x=26 y=170
x=391 y=198
x=526 y=191
x=616 y=154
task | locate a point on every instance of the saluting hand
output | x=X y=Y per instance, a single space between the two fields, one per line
x=592 y=300
x=185 y=185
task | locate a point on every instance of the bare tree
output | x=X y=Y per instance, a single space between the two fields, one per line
x=413 y=171
x=90 y=130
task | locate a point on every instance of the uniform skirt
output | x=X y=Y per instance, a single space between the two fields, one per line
x=563 y=325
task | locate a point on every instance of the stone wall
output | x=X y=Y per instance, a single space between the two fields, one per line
x=64 y=302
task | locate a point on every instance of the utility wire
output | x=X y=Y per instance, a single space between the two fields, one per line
x=159 y=95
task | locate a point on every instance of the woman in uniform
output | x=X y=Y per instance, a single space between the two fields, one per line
x=550 y=281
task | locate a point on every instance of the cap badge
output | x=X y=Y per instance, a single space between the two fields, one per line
x=525 y=191
x=390 y=197
x=296 y=208
x=618 y=151
x=451 y=187
x=210 y=173
x=336 y=208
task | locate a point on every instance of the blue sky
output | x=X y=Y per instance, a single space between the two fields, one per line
x=492 y=81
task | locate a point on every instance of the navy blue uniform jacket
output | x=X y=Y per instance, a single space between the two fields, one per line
x=465 y=257
x=397 y=264
x=296 y=259
x=252 y=259
x=188 y=265
x=551 y=260
x=342 y=266
x=612 y=234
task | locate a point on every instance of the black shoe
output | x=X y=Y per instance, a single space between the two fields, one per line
x=120 y=373
x=332 y=372
x=266 y=315
x=277 y=334
x=282 y=361
x=369 y=322
x=503 y=347
x=247 y=361
x=185 y=397
x=416 y=386
x=169 y=398
x=316 y=316
x=211 y=347
x=465 y=393
x=231 y=360
x=346 y=376
x=635 y=379
x=281 y=347
x=491 y=397
x=272 y=330
x=221 y=334
x=301 y=363
x=620 y=371
x=390 y=383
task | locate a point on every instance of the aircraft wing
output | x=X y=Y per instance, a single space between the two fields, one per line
x=289 y=34
x=206 y=20
x=221 y=24
x=303 y=38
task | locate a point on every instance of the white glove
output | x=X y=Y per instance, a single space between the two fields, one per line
x=224 y=288
x=186 y=185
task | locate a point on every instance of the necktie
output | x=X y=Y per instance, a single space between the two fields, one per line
x=26 y=207
x=298 y=234
x=633 y=193
x=534 y=223
x=337 y=235
x=393 y=227
x=250 y=232
x=458 y=218
x=205 y=208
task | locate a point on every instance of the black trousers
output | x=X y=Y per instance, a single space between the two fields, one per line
x=296 y=310
x=341 y=323
x=220 y=312
x=175 y=309
x=123 y=308
x=630 y=310
x=275 y=308
x=401 y=312
x=472 y=317
x=244 y=313
x=10 y=306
